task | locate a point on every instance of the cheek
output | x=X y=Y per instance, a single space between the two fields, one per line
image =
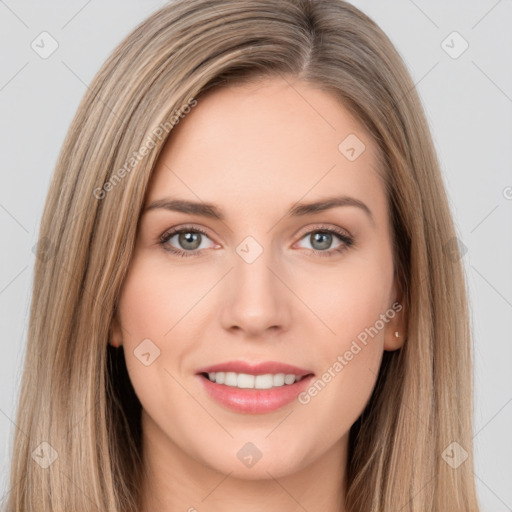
x=352 y=302
x=155 y=298
x=351 y=297
x=164 y=305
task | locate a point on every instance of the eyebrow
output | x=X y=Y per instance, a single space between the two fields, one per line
x=297 y=210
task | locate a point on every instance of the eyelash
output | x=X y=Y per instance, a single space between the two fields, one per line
x=342 y=236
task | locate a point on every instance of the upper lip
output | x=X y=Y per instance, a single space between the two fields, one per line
x=255 y=368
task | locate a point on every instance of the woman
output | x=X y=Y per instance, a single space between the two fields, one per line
x=186 y=350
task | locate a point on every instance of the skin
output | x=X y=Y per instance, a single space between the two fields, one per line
x=255 y=150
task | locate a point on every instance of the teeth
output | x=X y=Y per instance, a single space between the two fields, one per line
x=246 y=381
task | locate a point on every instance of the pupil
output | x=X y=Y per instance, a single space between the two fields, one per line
x=323 y=238
x=189 y=238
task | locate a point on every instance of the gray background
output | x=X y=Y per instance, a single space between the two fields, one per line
x=468 y=101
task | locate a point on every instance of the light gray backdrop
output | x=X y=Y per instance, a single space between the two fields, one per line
x=459 y=54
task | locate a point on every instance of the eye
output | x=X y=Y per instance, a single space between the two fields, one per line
x=188 y=238
x=189 y=241
x=321 y=241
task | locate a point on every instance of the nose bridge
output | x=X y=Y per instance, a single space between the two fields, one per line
x=256 y=299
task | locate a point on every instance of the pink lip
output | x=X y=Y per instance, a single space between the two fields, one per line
x=255 y=368
x=255 y=401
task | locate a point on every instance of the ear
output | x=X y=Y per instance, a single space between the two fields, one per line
x=115 y=334
x=395 y=334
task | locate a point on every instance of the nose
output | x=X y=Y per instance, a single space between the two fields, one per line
x=255 y=299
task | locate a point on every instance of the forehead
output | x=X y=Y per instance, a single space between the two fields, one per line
x=273 y=141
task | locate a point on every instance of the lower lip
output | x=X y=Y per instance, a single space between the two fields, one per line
x=254 y=401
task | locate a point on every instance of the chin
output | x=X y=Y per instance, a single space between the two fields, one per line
x=276 y=463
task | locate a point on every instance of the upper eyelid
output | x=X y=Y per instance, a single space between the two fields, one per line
x=326 y=227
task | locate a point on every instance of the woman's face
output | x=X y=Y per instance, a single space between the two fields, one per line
x=262 y=278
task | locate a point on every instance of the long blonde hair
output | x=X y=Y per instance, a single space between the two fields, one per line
x=76 y=395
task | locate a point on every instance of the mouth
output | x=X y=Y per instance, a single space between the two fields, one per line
x=254 y=389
